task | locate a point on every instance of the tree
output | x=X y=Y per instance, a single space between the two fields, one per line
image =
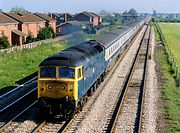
x=4 y=43
x=46 y=33
x=30 y=38
x=17 y=9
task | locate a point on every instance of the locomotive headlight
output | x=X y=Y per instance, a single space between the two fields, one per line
x=63 y=87
x=49 y=86
x=71 y=86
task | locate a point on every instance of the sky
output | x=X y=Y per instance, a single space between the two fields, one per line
x=75 y=6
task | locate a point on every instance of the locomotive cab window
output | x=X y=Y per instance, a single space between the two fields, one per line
x=48 y=72
x=66 y=72
x=79 y=73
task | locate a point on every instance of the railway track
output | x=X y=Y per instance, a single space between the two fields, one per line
x=76 y=121
x=127 y=113
x=51 y=126
x=17 y=108
x=18 y=87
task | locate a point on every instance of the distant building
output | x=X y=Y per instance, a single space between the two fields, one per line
x=154 y=13
x=49 y=21
x=28 y=22
x=9 y=27
x=71 y=26
x=130 y=16
x=88 y=16
x=61 y=18
x=65 y=17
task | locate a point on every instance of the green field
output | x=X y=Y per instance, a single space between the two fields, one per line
x=171 y=32
x=17 y=65
x=170 y=92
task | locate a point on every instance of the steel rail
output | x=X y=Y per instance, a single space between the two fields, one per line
x=1 y=110
x=139 y=123
x=121 y=98
x=6 y=94
x=9 y=122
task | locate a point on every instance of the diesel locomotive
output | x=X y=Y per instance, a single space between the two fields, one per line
x=66 y=78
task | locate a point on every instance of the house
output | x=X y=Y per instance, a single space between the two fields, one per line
x=99 y=18
x=28 y=23
x=72 y=26
x=49 y=21
x=87 y=16
x=65 y=17
x=9 y=27
x=61 y=18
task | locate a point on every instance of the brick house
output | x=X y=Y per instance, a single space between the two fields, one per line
x=87 y=16
x=61 y=18
x=99 y=18
x=49 y=21
x=9 y=27
x=28 y=22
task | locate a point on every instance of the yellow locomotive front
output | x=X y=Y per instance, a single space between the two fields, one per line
x=58 y=88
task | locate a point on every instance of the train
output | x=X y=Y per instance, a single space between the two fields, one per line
x=66 y=79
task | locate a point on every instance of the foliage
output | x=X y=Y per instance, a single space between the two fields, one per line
x=30 y=38
x=170 y=94
x=90 y=29
x=17 y=9
x=172 y=36
x=46 y=33
x=17 y=65
x=4 y=43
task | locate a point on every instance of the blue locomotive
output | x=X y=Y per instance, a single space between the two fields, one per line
x=66 y=78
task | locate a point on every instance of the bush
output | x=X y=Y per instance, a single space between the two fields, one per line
x=46 y=33
x=30 y=38
x=90 y=30
x=4 y=43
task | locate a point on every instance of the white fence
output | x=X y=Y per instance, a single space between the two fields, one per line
x=35 y=44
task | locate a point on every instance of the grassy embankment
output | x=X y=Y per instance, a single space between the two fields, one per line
x=17 y=65
x=170 y=92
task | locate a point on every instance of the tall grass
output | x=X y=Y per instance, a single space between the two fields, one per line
x=17 y=65
x=170 y=92
x=171 y=32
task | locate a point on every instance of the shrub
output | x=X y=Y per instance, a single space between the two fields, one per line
x=4 y=43
x=30 y=38
x=45 y=33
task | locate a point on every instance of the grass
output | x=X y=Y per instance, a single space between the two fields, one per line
x=170 y=92
x=17 y=65
x=171 y=32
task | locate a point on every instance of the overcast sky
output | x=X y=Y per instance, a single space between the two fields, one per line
x=74 y=6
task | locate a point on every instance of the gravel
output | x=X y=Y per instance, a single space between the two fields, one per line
x=97 y=117
x=151 y=94
x=127 y=119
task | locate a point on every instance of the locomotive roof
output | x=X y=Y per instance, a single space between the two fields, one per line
x=74 y=56
x=109 y=37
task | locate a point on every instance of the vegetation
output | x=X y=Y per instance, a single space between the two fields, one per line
x=30 y=38
x=172 y=36
x=17 y=65
x=46 y=33
x=4 y=43
x=17 y=9
x=170 y=92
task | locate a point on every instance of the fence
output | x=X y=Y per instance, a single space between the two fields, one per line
x=36 y=44
x=170 y=58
